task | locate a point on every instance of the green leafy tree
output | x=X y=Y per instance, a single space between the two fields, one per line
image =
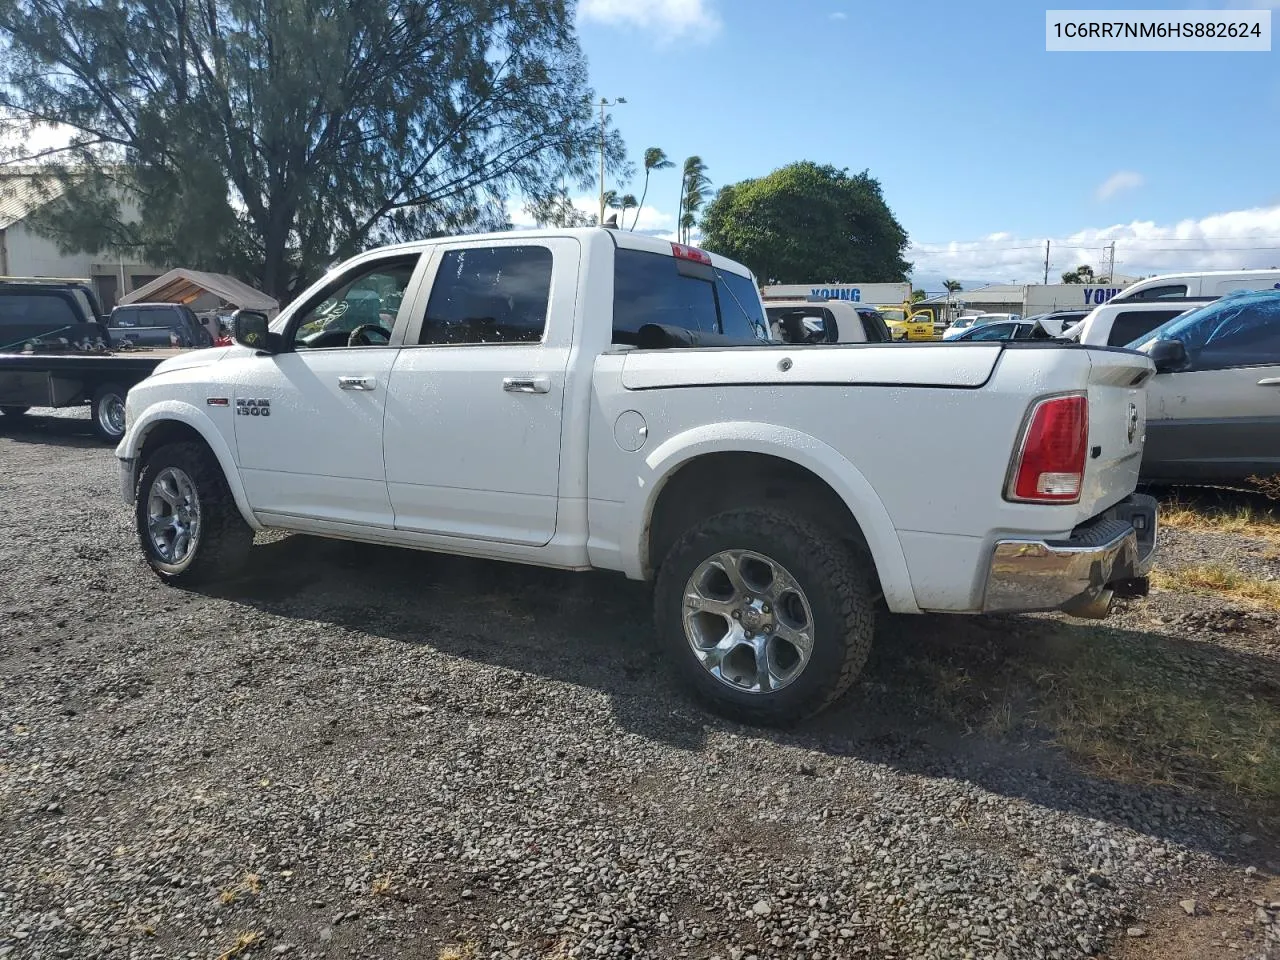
x=654 y=159
x=694 y=186
x=1081 y=274
x=807 y=223
x=918 y=295
x=268 y=139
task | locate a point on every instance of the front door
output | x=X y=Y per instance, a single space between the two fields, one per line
x=1220 y=419
x=473 y=423
x=309 y=418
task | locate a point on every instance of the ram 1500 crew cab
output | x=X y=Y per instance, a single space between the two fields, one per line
x=597 y=399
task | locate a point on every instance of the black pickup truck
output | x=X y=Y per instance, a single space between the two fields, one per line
x=55 y=351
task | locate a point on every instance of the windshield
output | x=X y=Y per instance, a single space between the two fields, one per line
x=1216 y=321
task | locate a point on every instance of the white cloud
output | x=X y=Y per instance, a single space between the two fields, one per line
x=838 y=15
x=1118 y=182
x=669 y=19
x=1233 y=240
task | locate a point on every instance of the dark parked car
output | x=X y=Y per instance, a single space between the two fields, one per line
x=48 y=311
x=158 y=325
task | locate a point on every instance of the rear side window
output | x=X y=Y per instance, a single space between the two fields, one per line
x=34 y=308
x=490 y=295
x=1129 y=325
x=1171 y=291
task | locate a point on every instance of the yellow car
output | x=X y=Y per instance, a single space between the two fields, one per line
x=908 y=326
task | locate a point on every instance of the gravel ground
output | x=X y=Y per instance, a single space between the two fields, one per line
x=362 y=752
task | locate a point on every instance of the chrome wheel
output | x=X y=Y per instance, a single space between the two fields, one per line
x=111 y=415
x=747 y=621
x=173 y=515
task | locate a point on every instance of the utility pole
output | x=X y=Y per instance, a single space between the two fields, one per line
x=1111 y=264
x=1046 y=262
x=604 y=104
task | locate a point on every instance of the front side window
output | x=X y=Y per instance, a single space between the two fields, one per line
x=489 y=295
x=1241 y=331
x=1246 y=336
x=359 y=310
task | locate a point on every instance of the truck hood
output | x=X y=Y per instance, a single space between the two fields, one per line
x=194 y=358
x=924 y=365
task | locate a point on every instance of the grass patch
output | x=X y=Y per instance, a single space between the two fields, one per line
x=1216 y=578
x=1123 y=709
x=1132 y=707
x=1245 y=520
x=243 y=942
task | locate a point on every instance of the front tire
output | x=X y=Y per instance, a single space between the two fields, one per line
x=14 y=412
x=107 y=411
x=767 y=617
x=188 y=524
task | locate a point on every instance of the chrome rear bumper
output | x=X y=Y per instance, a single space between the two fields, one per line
x=1082 y=574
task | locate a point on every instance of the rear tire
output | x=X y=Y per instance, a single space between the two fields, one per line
x=14 y=412
x=107 y=410
x=188 y=524
x=797 y=621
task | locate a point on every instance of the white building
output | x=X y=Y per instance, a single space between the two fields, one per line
x=1029 y=299
x=25 y=253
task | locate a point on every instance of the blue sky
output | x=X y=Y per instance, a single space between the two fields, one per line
x=985 y=143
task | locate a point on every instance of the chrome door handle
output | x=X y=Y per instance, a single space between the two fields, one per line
x=526 y=384
x=356 y=383
x=1270 y=382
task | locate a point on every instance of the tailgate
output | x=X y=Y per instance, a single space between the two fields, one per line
x=1117 y=426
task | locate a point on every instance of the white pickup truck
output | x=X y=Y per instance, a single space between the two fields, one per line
x=589 y=399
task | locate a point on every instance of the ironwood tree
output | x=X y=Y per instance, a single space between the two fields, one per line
x=270 y=138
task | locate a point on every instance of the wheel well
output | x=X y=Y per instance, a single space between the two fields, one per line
x=166 y=432
x=718 y=482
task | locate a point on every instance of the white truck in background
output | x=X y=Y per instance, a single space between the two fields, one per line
x=592 y=398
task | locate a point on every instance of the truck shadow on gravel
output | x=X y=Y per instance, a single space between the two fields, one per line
x=1099 y=722
x=53 y=431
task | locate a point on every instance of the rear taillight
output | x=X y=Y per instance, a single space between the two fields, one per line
x=1051 y=456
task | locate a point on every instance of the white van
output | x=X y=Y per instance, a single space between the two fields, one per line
x=1203 y=286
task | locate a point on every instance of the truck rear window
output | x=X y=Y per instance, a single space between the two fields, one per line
x=649 y=288
x=35 y=308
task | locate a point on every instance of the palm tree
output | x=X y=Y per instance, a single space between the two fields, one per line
x=693 y=193
x=628 y=202
x=654 y=159
x=952 y=286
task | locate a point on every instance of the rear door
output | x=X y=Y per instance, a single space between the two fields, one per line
x=476 y=398
x=1220 y=419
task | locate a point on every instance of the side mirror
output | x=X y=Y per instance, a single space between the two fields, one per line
x=249 y=329
x=1169 y=356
